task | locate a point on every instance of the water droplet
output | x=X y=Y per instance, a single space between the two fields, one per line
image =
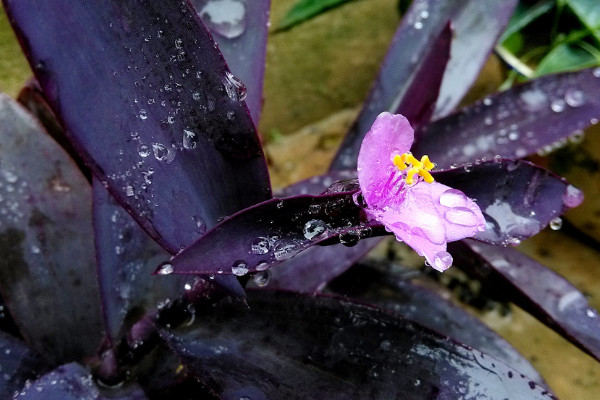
x=187 y=286
x=200 y=224
x=235 y=89
x=239 y=268
x=513 y=135
x=512 y=166
x=143 y=114
x=189 y=139
x=262 y=266
x=349 y=238
x=574 y=97
x=10 y=176
x=590 y=313
x=558 y=105
x=424 y=14
x=487 y=101
x=165 y=269
x=596 y=72
x=262 y=278
x=314 y=228
x=577 y=137
x=556 y=223
x=418 y=25
x=129 y=190
x=453 y=198
x=461 y=216
x=572 y=196
x=260 y=245
x=284 y=250
x=225 y=17
x=520 y=152
x=163 y=153
x=442 y=260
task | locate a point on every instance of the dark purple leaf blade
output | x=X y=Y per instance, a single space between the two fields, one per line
x=126 y=258
x=294 y=346
x=46 y=241
x=408 y=88
x=270 y=232
x=427 y=308
x=517 y=198
x=535 y=288
x=477 y=26
x=240 y=27
x=150 y=104
x=74 y=382
x=17 y=364
x=516 y=123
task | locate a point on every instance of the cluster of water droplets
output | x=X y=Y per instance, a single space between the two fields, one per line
x=13 y=192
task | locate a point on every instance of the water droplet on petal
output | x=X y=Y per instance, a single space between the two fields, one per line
x=558 y=105
x=556 y=223
x=143 y=114
x=239 y=268
x=461 y=216
x=163 y=153
x=572 y=196
x=225 y=17
x=314 y=228
x=349 y=238
x=235 y=89
x=596 y=72
x=165 y=269
x=453 y=198
x=577 y=137
x=262 y=266
x=262 y=278
x=260 y=245
x=574 y=97
x=442 y=260
x=189 y=139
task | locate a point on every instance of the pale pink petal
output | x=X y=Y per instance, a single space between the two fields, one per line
x=390 y=135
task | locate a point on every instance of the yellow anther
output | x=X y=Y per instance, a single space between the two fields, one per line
x=428 y=165
x=420 y=168
x=399 y=162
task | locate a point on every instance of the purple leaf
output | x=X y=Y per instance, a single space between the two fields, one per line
x=149 y=102
x=517 y=198
x=17 y=364
x=240 y=27
x=126 y=258
x=294 y=346
x=477 y=26
x=535 y=288
x=426 y=307
x=270 y=232
x=516 y=123
x=74 y=382
x=408 y=88
x=46 y=240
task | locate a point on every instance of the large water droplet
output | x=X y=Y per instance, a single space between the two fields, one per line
x=165 y=269
x=235 y=89
x=239 y=268
x=189 y=139
x=574 y=97
x=225 y=17
x=163 y=153
x=572 y=197
x=461 y=216
x=556 y=224
x=314 y=228
x=442 y=260
x=262 y=278
x=453 y=198
x=260 y=245
x=349 y=238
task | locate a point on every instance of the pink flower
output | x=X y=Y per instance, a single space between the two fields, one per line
x=401 y=193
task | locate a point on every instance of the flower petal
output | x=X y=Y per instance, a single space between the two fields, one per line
x=390 y=134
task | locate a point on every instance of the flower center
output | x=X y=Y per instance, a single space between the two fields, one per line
x=407 y=163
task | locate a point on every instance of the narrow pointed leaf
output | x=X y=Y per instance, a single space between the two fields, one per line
x=297 y=347
x=303 y=10
x=537 y=289
x=46 y=240
x=517 y=198
x=17 y=364
x=409 y=88
x=271 y=232
x=149 y=102
x=516 y=123
x=74 y=382
x=240 y=27
x=424 y=306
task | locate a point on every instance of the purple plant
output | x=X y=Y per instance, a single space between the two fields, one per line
x=158 y=134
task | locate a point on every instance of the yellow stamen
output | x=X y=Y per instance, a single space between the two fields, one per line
x=420 y=168
x=398 y=162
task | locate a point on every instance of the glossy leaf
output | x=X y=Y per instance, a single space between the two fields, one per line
x=303 y=10
x=409 y=88
x=46 y=240
x=240 y=27
x=588 y=13
x=424 y=306
x=566 y=57
x=167 y=124
x=517 y=122
x=517 y=198
x=271 y=232
x=126 y=258
x=17 y=364
x=537 y=289
x=74 y=382
x=296 y=347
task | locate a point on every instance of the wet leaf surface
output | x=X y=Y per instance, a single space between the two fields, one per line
x=292 y=346
x=536 y=116
x=46 y=240
x=537 y=289
x=167 y=124
x=17 y=364
x=240 y=27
